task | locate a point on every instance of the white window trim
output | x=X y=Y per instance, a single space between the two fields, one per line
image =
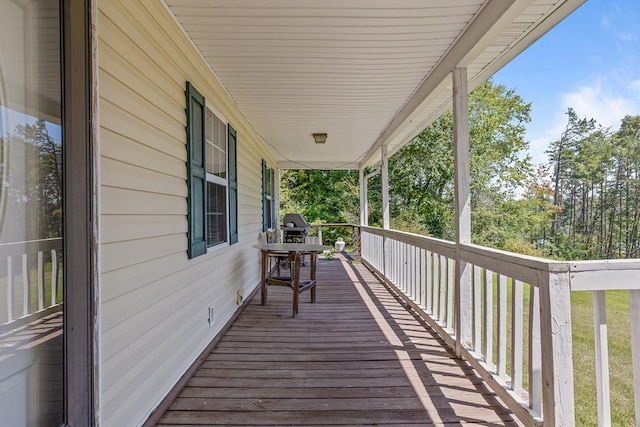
x=221 y=181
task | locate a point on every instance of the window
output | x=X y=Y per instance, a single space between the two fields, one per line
x=268 y=197
x=212 y=178
x=216 y=155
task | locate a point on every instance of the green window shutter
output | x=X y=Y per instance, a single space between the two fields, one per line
x=265 y=192
x=233 y=186
x=196 y=173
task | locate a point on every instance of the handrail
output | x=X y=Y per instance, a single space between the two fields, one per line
x=19 y=261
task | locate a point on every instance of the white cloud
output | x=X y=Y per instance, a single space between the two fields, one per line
x=605 y=106
x=595 y=101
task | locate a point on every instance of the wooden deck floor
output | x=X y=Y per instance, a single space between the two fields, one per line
x=356 y=357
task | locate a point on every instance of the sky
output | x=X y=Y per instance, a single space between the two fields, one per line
x=589 y=62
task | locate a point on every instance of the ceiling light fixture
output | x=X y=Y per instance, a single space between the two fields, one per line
x=320 y=138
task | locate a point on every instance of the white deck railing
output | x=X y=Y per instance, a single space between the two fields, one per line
x=29 y=280
x=519 y=340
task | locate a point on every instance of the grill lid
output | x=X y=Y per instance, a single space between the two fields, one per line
x=297 y=219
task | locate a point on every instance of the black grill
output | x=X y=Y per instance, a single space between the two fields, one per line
x=298 y=232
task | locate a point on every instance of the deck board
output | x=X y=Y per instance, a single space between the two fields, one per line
x=356 y=357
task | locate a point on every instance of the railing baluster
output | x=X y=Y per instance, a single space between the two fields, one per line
x=54 y=276
x=40 y=280
x=634 y=302
x=535 y=357
x=404 y=270
x=416 y=273
x=394 y=261
x=406 y=274
x=9 y=289
x=502 y=326
x=25 y=284
x=516 y=337
x=477 y=307
x=450 y=293
x=428 y=281
x=422 y=253
x=443 y=289
x=602 y=358
x=488 y=319
x=436 y=286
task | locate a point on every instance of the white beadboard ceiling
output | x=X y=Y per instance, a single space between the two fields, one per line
x=367 y=72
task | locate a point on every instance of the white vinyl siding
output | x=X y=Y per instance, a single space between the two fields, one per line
x=154 y=300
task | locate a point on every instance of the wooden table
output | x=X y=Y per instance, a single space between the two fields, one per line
x=293 y=253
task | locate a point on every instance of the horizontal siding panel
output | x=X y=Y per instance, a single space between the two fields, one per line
x=144 y=330
x=117 y=283
x=140 y=109
x=117 y=120
x=132 y=177
x=144 y=50
x=124 y=254
x=121 y=201
x=127 y=151
x=132 y=374
x=119 y=228
x=140 y=82
x=159 y=75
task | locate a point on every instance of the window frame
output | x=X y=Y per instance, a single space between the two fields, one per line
x=198 y=178
x=268 y=197
x=215 y=179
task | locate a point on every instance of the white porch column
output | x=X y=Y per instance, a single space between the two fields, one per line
x=363 y=199
x=385 y=187
x=462 y=206
x=276 y=197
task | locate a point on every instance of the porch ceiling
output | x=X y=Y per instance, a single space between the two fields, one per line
x=367 y=72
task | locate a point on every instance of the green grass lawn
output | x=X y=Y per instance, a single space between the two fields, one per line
x=620 y=363
x=619 y=344
x=620 y=368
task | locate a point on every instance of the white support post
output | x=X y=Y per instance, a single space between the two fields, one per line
x=634 y=301
x=557 y=361
x=603 y=393
x=276 y=197
x=462 y=205
x=364 y=195
x=363 y=199
x=385 y=188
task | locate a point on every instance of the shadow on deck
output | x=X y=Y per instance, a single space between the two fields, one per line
x=356 y=357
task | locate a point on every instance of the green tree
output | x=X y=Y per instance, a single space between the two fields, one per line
x=39 y=171
x=421 y=173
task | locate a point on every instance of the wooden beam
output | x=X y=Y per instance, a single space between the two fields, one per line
x=557 y=360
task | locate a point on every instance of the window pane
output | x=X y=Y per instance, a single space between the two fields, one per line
x=216 y=146
x=216 y=214
x=31 y=309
